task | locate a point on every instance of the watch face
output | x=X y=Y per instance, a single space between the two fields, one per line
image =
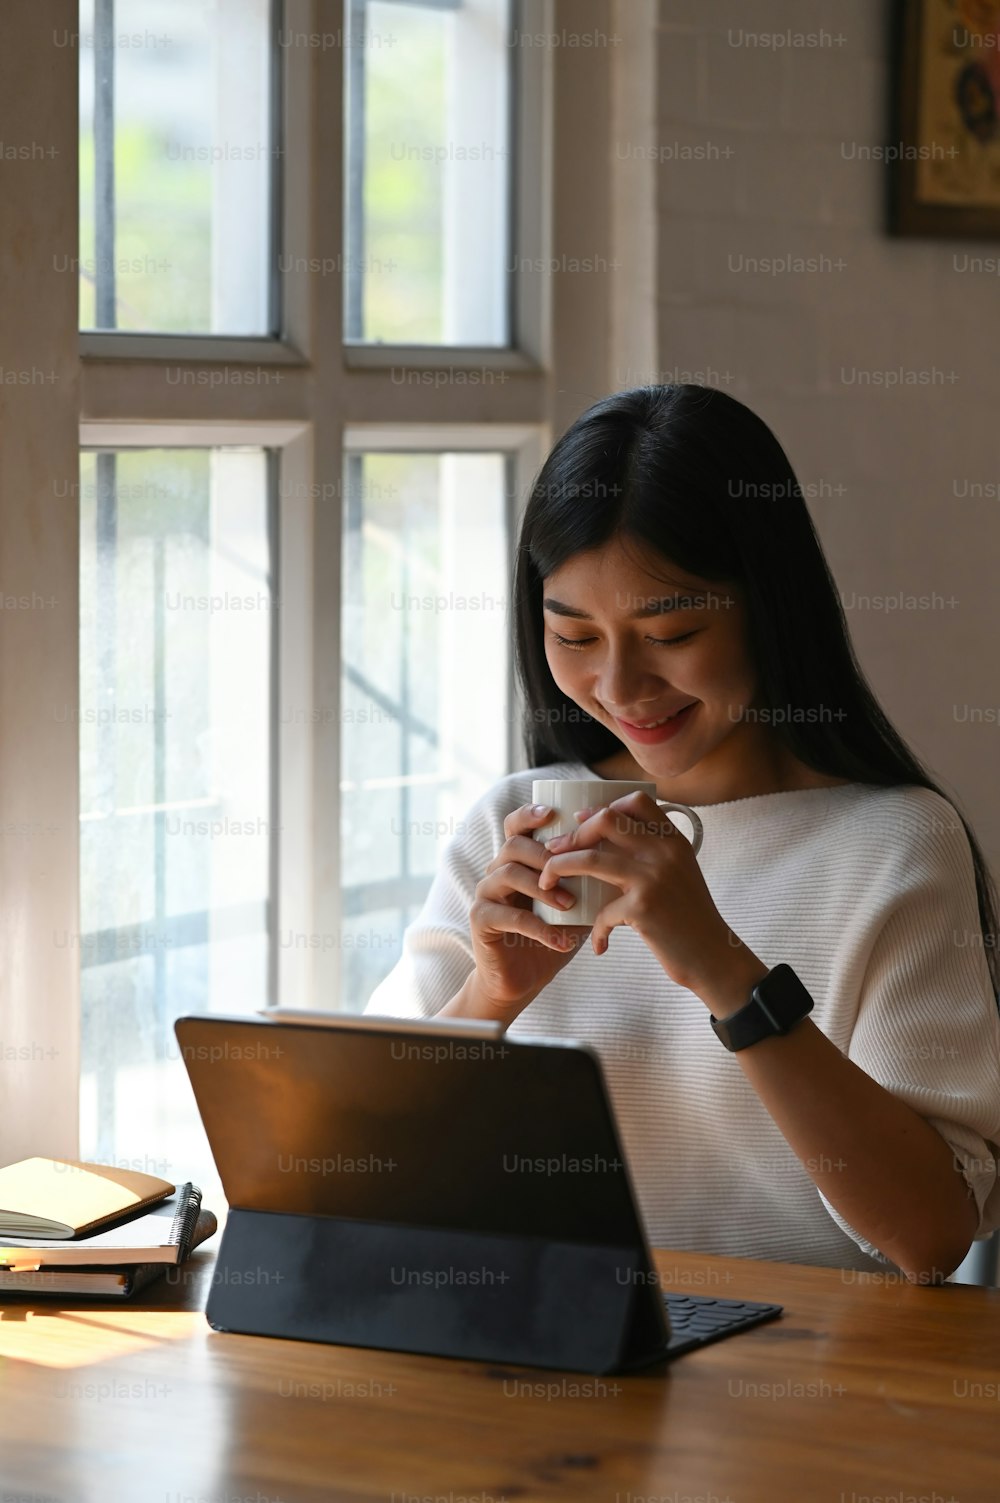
x=784 y=996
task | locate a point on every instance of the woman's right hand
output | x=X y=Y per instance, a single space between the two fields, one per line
x=517 y=953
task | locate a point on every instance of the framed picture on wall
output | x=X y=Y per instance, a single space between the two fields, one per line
x=945 y=143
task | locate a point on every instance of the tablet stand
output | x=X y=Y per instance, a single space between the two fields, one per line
x=441 y=1291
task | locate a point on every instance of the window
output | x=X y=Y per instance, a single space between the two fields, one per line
x=255 y=827
x=177 y=159
x=176 y=623
x=428 y=172
x=240 y=438
x=424 y=696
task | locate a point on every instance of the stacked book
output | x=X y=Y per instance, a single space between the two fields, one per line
x=69 y=1227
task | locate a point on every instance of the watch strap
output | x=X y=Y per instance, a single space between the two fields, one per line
x=777 y=1003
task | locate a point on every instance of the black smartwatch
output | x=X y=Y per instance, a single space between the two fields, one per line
x=777 y=1003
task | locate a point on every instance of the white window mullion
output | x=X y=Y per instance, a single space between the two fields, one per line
x=331 y=400
x=294 y=735
x=322 y=585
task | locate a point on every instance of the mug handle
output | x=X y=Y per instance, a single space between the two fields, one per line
x=696 y=824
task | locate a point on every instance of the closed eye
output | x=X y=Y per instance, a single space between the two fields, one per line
x=577 y=642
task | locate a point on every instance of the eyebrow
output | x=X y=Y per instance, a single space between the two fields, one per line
x=652 y=608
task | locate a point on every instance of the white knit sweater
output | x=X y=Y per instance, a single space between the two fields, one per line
x=869 y=894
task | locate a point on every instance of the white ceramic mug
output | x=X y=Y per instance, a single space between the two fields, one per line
x=566 y=795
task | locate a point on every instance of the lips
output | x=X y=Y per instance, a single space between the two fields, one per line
x=657 y=734
x=650 y=725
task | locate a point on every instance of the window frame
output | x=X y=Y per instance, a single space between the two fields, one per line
x=114 y=389
x=124 y=404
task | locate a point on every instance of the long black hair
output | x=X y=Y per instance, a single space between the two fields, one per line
x=695 y=475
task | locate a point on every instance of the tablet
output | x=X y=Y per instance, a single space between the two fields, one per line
x=423 y=1185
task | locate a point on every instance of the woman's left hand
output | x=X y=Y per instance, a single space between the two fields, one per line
x=664 y=896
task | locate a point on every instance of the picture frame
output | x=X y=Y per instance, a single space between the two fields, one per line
x=944 y=151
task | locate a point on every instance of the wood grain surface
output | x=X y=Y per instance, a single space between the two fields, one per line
x=866 y=1390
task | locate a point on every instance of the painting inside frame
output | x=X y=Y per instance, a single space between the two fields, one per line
x=946 y=179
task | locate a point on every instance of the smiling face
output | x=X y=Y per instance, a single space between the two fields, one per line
x=629 y=647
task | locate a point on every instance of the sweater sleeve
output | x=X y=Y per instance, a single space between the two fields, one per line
x=437 y=956
x=927 y=1026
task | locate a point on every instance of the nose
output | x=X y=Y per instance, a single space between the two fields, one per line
x=624 y=684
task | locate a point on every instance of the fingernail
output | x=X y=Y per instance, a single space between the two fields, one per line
x=582 y=813
x=551 y=844
x=540 y=808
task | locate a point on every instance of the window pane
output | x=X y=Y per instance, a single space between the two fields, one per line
x=176 y=159
x=424 y=689
x=428 y=172
x=175 y=666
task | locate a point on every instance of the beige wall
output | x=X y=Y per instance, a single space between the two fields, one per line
x=778 y=131
x=39 y=949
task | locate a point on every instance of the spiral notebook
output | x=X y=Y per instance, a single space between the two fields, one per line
x=106 y=1281
x=162 y=1235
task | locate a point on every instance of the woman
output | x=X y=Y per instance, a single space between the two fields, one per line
x=867 y=1134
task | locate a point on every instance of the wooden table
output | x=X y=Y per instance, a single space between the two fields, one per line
x=866 y=1391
